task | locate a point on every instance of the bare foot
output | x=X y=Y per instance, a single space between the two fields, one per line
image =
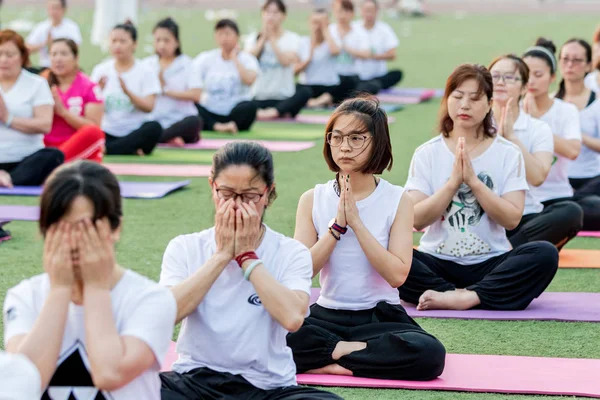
x=227 y=127
x=5 y=179
x=332 y=369
x=344 y=348
x=267 y=113
x=140 y=152
x=459 y=299
x=177 y=142
x=323 y=101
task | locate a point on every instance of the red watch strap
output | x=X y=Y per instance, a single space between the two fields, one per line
x=249 y=255
x=339 y=229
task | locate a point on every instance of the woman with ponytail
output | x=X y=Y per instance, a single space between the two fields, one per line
x=78 y=106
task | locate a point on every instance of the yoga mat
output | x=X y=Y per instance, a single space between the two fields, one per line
x=388 y=108
x=480 y=373
x=595 y=234
x=130 y=190
x=165 y=156
x=19 y=213
x=276 y=132
x=214 y=144
x=416 y=92
x=495 y=374
x=576 y=258
x=550 y=306
x=310 y=119
x=159 y=170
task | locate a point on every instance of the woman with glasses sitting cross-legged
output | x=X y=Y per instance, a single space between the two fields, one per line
x=359 y=231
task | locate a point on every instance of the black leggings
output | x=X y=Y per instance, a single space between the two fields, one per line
x=506 y=282
x=188 y=129
x=319 y=90
x=289 y=107
x=242 y=114
x=586 y=186
x=388 y=80
x=352 y=86
x=557 y=223
x=144 y=138
x=35 y=168
x=205 y=384
x=397 y=347
x=589 y=203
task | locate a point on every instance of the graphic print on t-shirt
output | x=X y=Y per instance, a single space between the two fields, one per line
x=464 y=211
x=72 y=379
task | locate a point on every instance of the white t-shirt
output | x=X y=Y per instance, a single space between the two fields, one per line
x=121 y=117
x=348 y=280
x=222 y=86
x=382 y=38
x=464 y=233
x=275 y=82
x=591 y=81
x=141 y=308
x=537 y=137
x=178 y=77
x=68 y=29
x=563 y=119
x=356 y=39
x=587 y=164
x=231 y=331
x=28 y=92
x=322 y=67
x=19 y=378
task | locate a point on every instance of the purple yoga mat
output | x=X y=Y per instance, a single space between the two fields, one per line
x=19 y=213
x=310 y=119
x=129 y=190
x=214 y=144
x=550 y=306
x=399 y=91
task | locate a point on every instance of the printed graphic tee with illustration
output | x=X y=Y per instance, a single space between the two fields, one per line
x=464 y=233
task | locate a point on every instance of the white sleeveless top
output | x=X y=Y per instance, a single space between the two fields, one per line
x=348 y=280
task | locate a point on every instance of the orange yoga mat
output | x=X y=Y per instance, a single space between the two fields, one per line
x=575 y=258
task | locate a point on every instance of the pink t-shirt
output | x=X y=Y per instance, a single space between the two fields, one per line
x=82 y=92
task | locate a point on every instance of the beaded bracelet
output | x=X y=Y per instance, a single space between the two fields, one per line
x=333 y=234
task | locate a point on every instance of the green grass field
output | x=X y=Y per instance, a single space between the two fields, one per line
x=430 y=48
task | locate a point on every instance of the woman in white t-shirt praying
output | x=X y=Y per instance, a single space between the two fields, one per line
x=240 y=288
x=563 y=119
x=469 y=185
x=175 y=107
x=226 y=75
x=359 y=231
x=129 y=88
x=25 y=117
x=102 y=330
x=557 y=223
x=277 y=50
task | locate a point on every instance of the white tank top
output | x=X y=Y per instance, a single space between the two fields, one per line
x=348 y=280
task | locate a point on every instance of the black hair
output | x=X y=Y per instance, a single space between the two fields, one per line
x=227 y=23
x=279 y=3
x=81 y=178
x=52 y=79
x=63 y=3
x=128 y=27
x=588 y=58
x=542 y=55
x=170 y=25
x=251 y=154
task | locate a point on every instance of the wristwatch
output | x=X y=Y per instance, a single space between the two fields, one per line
x=339 y=229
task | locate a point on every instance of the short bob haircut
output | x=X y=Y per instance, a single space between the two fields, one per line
x=461 y=74
x=519 y=64
x=80 y=178
x=373 y=119
x=8 y=35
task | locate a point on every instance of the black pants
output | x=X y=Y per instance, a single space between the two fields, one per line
x=188 y=129
x=388 y=80
x=242 y=114
x=558 y=223
x=589 y=203
x=586 y=186
x=289 y=107
x=206 y=384
x=35 y=168
x=319 y=90
x=506 y=282
x=144 y=138
x=351 y=86
x=397 y=347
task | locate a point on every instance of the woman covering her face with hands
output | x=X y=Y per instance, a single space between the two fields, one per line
x=98 y=327
x=241 y=287
x=468 y=185
x=359 y=231
x=557 y=223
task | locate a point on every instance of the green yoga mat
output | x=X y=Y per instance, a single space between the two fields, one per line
x=166 y=156
x=274 y=131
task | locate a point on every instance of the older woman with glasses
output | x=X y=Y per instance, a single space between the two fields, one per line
x=359 y=231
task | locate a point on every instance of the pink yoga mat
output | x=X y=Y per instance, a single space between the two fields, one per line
x=595 y=234
x=310 y=119
x=496 y=374
x=214 y=144
x=550 y=306
x=479 y=373
x=159 y=170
